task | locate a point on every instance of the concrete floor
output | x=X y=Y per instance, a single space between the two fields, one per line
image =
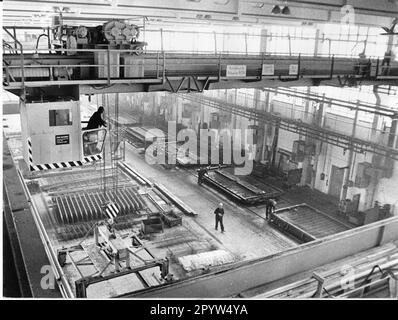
x=247 y=235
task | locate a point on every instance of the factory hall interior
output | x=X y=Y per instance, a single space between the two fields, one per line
x=229 y=149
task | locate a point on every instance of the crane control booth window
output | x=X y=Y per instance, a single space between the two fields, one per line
x=60 y=117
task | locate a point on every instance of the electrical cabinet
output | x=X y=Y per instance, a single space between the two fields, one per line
x=133 y=67
x=101 y=59
x=298 y=152
x=362 y=178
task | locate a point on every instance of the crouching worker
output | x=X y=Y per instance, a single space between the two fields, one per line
x=201 y=174
x=90 y=139
x=96 y=120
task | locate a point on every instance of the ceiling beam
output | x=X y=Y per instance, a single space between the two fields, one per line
x=368 y=12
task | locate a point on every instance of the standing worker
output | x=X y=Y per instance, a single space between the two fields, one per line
x=385 y=64
x=96 y=120
x=219 y=212
x=270 y=208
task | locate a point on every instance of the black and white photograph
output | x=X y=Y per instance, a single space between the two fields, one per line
x=198 y=155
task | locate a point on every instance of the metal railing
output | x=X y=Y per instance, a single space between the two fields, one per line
x=59 y=275
x=157 y=66
x=353 y=46
x=21 y=55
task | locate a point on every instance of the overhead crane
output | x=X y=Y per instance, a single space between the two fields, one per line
x=176 y=71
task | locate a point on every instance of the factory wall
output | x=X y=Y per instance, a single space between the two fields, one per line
x=319 y=171
x=386 y=191
x=330 y=159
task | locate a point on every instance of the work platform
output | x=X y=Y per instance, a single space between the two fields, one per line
x=306 y=223
x=175 y=72
x=238 y=189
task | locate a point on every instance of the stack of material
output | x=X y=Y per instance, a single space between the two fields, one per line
x=125 y=119
x=151 y=225
x=206 y=259
x=145 y=134
x=78 y=207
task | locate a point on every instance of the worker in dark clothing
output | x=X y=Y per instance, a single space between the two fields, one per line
x=364 y=65
x=201 y=173
x=96 y=120
x=91 y=143
x=385 y=64
x=219 y=213
x=270 y=207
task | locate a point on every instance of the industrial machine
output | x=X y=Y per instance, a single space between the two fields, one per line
x=301 y=149
x=237 y=189
x=110 y=257
x=114 y=33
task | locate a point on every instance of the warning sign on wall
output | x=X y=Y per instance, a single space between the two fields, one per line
x=293 y=69
x=62 y=139
x=268 y=70
x=236 y=70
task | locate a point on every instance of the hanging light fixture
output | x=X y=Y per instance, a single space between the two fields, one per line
x=286 y=10
x=276 y=10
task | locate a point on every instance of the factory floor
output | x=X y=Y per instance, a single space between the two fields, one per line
x=246 y=234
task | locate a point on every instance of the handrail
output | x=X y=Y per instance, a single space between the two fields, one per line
x=214 y=65
x=222 y=53
x=22 y=62
x=86 y=133
x=58 y=272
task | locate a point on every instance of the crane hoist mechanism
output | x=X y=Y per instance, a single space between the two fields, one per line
x=115 y=33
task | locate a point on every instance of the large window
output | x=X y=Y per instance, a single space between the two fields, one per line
x=291 y=40
x=351 y=40
x=334 y=39
x=61 y=117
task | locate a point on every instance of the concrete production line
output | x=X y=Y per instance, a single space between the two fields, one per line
x=161 y=237
x=75 y=204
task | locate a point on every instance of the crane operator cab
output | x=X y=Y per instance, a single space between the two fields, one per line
x=93 y=141
x=93 y=138
x=53 y=138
